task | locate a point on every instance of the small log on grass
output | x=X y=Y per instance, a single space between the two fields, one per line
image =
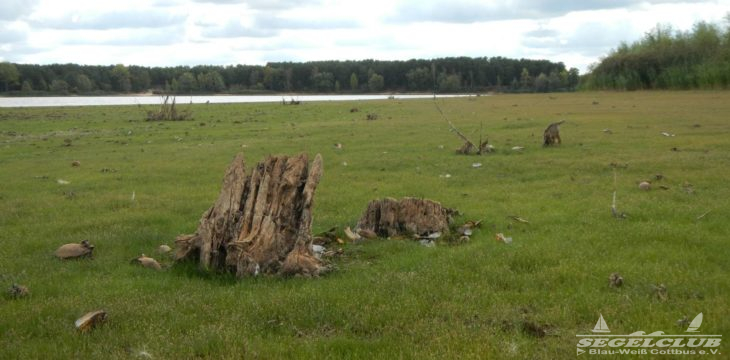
x=261 y=222
x=408 y=216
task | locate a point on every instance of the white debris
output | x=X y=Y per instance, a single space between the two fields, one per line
x=476 y=165
x=427 y=242
x=504 y=239
x=353 y=236
x=318 y=250
x=62 y=182
x=518 y=148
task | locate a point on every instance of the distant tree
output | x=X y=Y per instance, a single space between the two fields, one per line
x=273 y=78
x=323 y=76
x=573 y=78
x=26 y=87
x=433 y=75
x=139 y=79
x=186 y=83
x=9 y=74
x=563 y=79
x=172 y=87
x=82 y=83
x=354 y=84
x=120 y=78
x=667 y=59
x=42 y=85
x=449 y=83
x=211 y=82
x=526 y=81
x=542 y=83
x=254 y=79
x=419 y=79
x=59 y=86
x=554 y=82
x=376 y=82
x=323 y=81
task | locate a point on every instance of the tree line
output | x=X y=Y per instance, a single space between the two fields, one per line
x=667 y=59
x=443 y=75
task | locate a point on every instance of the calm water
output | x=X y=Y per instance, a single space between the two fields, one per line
x=220 y=99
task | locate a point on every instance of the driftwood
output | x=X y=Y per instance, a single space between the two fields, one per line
x=168 y=111
x=261 y=222
x=408 y=216
x=468 y=147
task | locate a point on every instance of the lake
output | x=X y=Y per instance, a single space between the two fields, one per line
x=195 y=99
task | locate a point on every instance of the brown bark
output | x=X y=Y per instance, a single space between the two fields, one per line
x=408 y=216
x=261 y=222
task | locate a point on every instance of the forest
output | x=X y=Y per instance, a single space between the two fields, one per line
x=667 y=59
x=443 y=75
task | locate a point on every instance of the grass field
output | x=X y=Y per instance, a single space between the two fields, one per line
x=387 y=298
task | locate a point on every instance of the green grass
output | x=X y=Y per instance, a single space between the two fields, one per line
x=388 y=298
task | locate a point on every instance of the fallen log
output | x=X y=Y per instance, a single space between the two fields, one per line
x=261 y=222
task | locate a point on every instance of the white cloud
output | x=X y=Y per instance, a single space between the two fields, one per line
x=126 y=19
x=15 y=9
x=189 y=32
x=234 y=28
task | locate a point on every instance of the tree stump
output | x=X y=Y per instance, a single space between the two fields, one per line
x=261 y=222
x=408 y=216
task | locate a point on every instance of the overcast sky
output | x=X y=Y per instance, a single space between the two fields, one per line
x=224 y=32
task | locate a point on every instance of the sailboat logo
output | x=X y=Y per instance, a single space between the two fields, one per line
x=695 y=324
x=601 y=326
x=602 y=342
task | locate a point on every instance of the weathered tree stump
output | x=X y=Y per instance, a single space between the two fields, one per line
x=408 y=216
x=261 y=222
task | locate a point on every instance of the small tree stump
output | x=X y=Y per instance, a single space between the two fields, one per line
x=261 y=222
x=408 y=216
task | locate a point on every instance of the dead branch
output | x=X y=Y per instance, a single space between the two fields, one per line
x=468 y=147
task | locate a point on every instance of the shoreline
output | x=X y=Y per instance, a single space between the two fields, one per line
x=146 y=99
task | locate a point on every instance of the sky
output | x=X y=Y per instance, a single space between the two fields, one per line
x=254 y=32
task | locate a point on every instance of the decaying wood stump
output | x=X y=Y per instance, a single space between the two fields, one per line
x=261 y=222
x=408 y=216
